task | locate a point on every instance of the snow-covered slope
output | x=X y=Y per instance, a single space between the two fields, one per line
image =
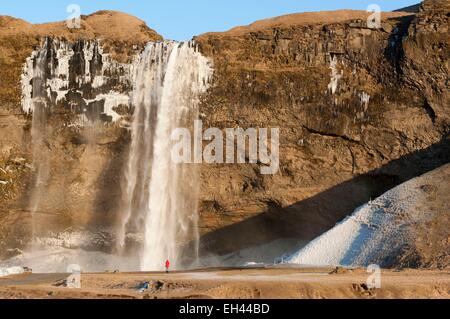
x=8 y=271
x=376 y=233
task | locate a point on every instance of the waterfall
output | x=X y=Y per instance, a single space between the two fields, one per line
x=160 y=197
x=39 y=104
x=162 y=86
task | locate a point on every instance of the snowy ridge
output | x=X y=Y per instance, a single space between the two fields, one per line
x=373 y=234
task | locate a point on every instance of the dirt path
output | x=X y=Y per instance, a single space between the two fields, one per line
x=31 y=279
x=235 y=283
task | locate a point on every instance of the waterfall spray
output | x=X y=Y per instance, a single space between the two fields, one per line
x=39 y=106
x=160 y=197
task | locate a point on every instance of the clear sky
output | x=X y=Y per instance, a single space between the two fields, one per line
x=182 y=19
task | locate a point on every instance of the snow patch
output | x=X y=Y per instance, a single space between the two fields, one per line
x=372 y=234
x=364 y=99
x=8 y=271
x=335 y=75
x=26 y=79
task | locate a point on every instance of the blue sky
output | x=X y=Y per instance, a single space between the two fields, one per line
x=182 y=19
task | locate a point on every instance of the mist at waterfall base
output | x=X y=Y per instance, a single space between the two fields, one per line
x=160 y=197
x=160 y=194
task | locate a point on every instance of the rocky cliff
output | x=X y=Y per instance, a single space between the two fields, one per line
x=88 y=72
x=360 y=110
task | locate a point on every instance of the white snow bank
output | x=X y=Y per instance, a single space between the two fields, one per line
x=8 y=271
x=373 y=234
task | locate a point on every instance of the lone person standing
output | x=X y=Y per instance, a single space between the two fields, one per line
x=167 y=266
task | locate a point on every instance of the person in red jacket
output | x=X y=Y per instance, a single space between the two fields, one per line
x=167 y=265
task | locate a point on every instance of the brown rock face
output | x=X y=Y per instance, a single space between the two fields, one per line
x=360 y=110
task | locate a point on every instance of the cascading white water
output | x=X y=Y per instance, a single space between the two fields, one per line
x=160 y=196
x=38 y=103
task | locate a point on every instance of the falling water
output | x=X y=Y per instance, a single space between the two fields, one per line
x=160 y=196
x=39 y=129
